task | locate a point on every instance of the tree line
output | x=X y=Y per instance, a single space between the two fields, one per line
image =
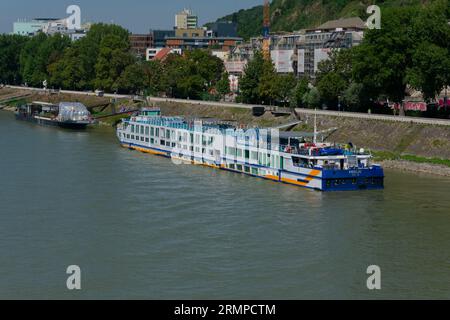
x=103 y=60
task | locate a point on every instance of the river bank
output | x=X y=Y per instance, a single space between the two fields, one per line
x=400 y=146
x=410 y=166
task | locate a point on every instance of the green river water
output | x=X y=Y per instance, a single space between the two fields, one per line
x=141 y=227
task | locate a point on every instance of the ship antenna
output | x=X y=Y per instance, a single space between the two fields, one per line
x=315 y=126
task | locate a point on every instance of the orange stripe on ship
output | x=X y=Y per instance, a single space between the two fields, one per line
x=312 y=174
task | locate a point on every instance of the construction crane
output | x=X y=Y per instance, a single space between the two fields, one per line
x=266 y=30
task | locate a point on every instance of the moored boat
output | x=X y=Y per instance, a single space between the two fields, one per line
x=267 y=153
x=70 y=115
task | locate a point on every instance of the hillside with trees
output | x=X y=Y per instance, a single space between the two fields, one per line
x=291 y=15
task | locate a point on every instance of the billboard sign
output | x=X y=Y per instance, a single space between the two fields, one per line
x=282 y=60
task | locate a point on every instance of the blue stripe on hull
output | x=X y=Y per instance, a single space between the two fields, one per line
x=343 y=180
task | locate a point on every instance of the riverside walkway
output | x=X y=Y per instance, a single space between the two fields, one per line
x=355 y=115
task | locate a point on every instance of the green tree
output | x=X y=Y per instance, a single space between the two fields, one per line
x=223 y=85
x=176 y=70
x=331 y=87
x=190 y=75
x=249 y=83
x=269 y=87
x=207 y=66
x=430 y=68
x=351 y=97
x=77 y=68
x=382 y=60
x=311 y=99
x=300 y=90
x=10 y=48
x=286 y=86
x=154 y=77
x=113 y=59
x=132 y=79
x=38 y=54
x=334 y=76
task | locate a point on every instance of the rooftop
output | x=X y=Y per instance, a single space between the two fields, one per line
x=347 y=23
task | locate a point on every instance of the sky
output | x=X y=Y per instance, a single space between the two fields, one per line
x=138 y=16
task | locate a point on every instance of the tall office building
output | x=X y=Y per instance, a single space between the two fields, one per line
x=186 y=19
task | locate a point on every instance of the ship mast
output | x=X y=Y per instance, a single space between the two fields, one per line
x=315 y=126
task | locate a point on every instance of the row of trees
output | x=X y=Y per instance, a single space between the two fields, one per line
x=102 y=60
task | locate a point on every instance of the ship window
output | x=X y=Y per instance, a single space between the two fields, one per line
x=231 y=166
x=146 y=140
x=247 y=154
x=157 y=132
x=132 y=137
x=142 y=129
x=300 y=162
x=142 y=139
x=255 y=171
x=239 y=152
x=167 y=143
x=128 y=136
x=152 y=141
x=132 y=128
x=239 y=167
x=247 y=169
x=152 y=131
x=231 y=151
x=162 y=133
x=254 y=155
x=192 y=138
x=147 y=130
x=162 y=142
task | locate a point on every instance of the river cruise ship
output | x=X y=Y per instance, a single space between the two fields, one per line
x=266 y=153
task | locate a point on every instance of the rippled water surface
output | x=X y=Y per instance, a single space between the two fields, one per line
x=142 y=227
